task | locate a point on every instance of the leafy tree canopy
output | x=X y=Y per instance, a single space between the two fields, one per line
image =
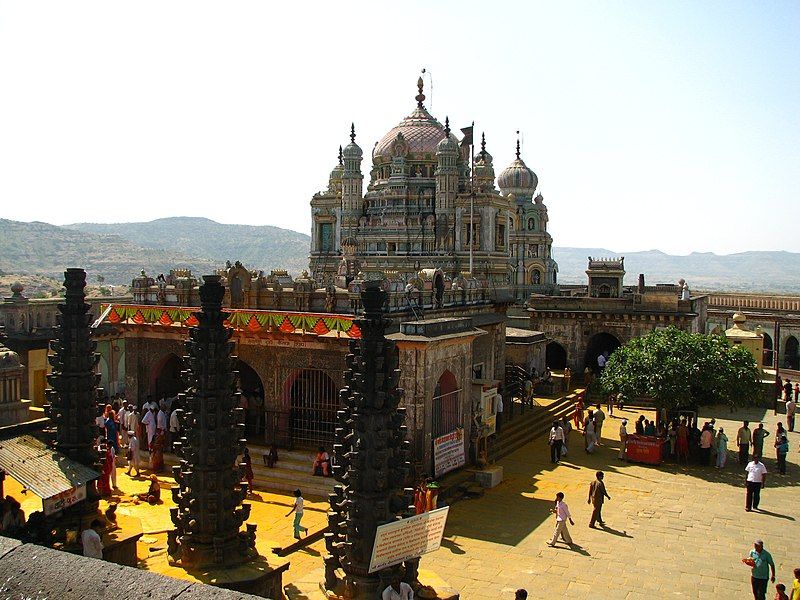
x=679 y=369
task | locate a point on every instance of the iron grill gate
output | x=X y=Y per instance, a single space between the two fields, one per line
x=446 y=413
x=313 y=399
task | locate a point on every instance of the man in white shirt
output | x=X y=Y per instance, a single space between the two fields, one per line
x=556 y=441
x=161 y=420
x=791 y=408
x=563 y=515
x=174 y=427
x=398 y=590
x=623 y=436
x=122 y=416
x=756 y=479
x=92 y=544
x=149 y=421
x=599 y=417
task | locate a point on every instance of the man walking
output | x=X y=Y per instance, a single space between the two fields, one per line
x=761 y=563
x=743 y=439
x=556 y=441
x=756 y=479
x=563 y=515
x=791 y=407
x=597 y=495
x=599 y=417
x=623 y=437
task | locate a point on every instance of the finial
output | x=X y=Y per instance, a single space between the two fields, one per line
x=340 y=154
x=517 y=143
x=447 y=126
x=420 y=97
x=352 y=133
x=483 y=143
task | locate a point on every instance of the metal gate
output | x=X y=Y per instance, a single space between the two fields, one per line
x=446 y=413
x=313 y=399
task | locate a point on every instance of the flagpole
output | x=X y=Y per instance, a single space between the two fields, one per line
x=472 y=198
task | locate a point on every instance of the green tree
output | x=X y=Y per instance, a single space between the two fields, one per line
x=678 y=369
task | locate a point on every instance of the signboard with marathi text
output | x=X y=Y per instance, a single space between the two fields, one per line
x=408 y=538
x=448 y=452
x=488 y=411
x=63 y=500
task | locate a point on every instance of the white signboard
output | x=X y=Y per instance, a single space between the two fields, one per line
x=448 y=452
x=408 y=538
x=63 y=500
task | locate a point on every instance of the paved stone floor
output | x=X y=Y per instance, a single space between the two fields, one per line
x=672 y=532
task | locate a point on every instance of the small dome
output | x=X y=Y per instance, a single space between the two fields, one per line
x=739 y=318
x=448 y=145
x=338 y=170
x=8 y=358
x=518 y=179
x=352 y=150
x=17 y=288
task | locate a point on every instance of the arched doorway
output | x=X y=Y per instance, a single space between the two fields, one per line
x=767 y=357
x=249 y=383
x=791 y=359
x=600 y=343
x=438 y=286
x=166 y=379
x=446 y=405
x=313 y=400
x=555 y=357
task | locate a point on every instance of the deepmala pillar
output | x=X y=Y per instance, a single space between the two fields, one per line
x=371 y=457
x=72 y=399
x=209 y=512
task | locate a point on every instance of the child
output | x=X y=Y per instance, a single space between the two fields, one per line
x=780 y=592
x=297 y=509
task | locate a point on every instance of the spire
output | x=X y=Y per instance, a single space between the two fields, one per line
x=483 y=144
x=420 y=98
x=340 y=154
x=447 y=126
x=517 y=143
x=353 y=134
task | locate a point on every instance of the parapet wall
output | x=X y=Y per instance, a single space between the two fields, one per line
x=31 y=571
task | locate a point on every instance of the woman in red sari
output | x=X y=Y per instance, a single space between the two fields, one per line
x=104 y=482
x=157 y=451
x=578 y=414
x=682 y=444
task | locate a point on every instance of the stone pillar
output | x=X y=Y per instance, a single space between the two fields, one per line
x=72 y=405
x=371 y=453
x=207 y=515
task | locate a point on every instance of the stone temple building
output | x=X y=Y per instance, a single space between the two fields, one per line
x=424 y=206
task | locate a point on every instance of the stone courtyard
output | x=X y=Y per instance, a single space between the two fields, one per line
x=672 y=532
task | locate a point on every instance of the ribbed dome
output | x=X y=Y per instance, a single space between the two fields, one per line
x=420 y=134
x=518 y=179
x=449 y=144
x=352 y=150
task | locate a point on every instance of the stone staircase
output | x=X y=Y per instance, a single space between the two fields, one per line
x=292 y=471
x=524 y=428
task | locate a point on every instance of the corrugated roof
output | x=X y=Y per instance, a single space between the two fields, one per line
x=40 y=469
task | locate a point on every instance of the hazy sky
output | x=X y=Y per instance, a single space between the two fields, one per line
x=669 y=125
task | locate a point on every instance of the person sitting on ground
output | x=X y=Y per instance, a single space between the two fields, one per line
x=153 y=493
x=548 y=375
x=13 y=519
x=272 y=457
x=322 y=463
x=90 y=538
x=398 y=590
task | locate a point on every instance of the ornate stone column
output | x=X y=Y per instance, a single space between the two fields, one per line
x=72 y=404
x=371 y=455
x=207 y=515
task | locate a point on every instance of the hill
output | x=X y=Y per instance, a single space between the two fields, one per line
x=257 y=247
x=755 y=271
x=119 y=251
x=44 y=249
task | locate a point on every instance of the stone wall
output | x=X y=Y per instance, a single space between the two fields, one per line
x=30 y=571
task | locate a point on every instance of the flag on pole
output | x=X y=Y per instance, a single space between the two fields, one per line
x=467 y=141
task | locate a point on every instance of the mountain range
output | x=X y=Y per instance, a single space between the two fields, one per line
x=117 y=252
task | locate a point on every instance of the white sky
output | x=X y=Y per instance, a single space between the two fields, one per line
x=650 y=124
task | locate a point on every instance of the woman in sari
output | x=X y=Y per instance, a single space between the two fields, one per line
x=578 y=414
x=104 y=482
x=157 y=451
x=682 y=445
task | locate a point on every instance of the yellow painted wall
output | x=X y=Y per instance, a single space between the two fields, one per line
x=38 y=369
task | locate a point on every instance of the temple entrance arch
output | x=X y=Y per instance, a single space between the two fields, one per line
x=767 y=357
x=165 y=377
x=446 y=405
x=313 y=399
x=252 y=388
x=791 y=354
x=555 y=356
x=598 y=344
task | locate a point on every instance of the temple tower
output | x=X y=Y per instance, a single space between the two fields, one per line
x=207 y=515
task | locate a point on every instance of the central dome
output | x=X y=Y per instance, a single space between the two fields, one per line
x=418 y=133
